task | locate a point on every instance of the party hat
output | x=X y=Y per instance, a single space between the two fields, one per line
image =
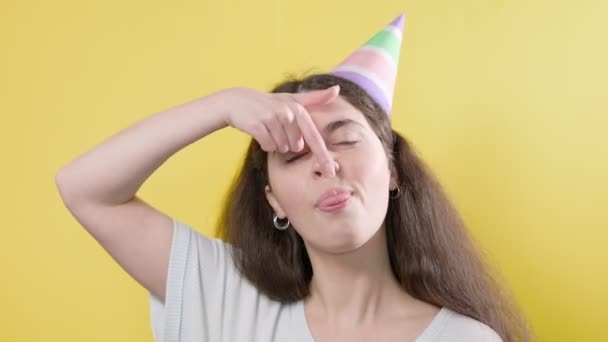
x=373 y=66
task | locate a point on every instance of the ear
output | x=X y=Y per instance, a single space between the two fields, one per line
x=394 y=181
x=272 y=200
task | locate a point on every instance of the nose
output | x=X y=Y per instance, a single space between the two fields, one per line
x=324 y=170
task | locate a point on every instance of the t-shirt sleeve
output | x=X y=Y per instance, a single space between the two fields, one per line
x=198 y=268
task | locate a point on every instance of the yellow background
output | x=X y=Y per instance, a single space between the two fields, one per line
x=506 y=100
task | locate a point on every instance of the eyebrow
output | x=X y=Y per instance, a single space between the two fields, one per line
x=334 y=125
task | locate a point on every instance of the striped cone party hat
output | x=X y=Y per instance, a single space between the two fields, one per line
x=374 y=65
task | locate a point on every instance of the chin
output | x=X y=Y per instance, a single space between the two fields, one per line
x=345 y=241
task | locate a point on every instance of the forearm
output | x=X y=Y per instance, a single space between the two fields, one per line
x=113 y=171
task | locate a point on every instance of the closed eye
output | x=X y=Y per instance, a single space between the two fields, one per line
x=347 y=142
x=294 y=158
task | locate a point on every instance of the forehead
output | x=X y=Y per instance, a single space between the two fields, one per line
x=339 y=108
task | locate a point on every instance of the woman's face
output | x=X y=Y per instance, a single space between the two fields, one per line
x=348 y=219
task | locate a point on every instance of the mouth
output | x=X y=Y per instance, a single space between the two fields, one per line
x=335 y=203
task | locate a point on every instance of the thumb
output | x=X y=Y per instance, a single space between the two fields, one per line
x=317 y=97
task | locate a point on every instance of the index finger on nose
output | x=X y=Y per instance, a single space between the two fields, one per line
x=314 y=140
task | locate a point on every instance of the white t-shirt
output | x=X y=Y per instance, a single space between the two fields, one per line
x=207 y=299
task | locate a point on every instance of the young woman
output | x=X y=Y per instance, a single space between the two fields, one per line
x=333 y=231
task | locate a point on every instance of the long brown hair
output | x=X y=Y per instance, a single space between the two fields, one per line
x=431 y=253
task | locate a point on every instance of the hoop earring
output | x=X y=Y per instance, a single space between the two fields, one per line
x=277 y=225
x=395 y=194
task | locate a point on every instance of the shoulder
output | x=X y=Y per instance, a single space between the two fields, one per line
x=206 y=295
x=474 y=330
x=459 y=327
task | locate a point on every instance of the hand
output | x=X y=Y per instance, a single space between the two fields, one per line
x=279 y=121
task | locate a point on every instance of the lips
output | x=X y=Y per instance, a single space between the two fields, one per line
x=334 y=199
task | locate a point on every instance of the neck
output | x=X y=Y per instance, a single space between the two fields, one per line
x=353 y=288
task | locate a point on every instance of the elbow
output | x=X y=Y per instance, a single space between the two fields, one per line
x=62 y=185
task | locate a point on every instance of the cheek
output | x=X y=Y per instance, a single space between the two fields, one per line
x=288 y=189
x=372 y=171
x=374 y=177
